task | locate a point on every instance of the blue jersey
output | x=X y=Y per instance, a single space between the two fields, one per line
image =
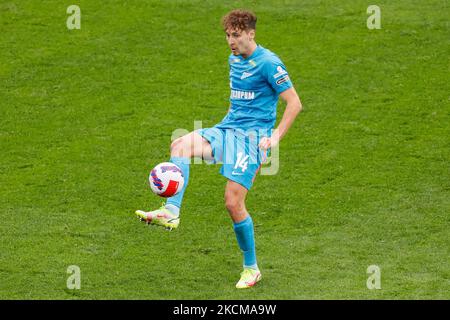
x=255 y=82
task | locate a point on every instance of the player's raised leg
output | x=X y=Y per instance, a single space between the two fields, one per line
x=243 y=227
x=181 y=151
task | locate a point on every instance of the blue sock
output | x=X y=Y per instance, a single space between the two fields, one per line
x=172 y=208
x=246 y=240
x=176 y=200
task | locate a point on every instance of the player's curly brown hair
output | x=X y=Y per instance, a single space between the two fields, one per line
x=239 y=19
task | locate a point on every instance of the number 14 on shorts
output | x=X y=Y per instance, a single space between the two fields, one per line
x=241 y=162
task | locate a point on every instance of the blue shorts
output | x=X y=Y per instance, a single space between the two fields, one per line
x=238 y=152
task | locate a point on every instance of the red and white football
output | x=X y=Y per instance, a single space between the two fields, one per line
x=166 y=179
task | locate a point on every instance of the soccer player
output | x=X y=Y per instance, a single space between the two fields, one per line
x=242 y=139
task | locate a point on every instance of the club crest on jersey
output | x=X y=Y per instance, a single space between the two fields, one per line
x=246 y=75
x=280 y=72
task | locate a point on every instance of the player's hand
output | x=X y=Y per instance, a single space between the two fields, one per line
x=267 y=143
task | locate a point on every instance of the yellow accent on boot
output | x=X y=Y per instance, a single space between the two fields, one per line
x=161 y=217
x=249 y=277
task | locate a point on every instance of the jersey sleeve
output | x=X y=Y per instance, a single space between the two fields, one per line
x=277 y=76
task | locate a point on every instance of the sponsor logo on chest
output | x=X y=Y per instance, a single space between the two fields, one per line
x=245 y=95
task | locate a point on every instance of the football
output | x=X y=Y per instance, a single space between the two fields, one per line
x=166 y=179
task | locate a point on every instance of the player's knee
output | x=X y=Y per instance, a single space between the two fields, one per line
x=233 y=204
x=180 y=147
x=175 y=144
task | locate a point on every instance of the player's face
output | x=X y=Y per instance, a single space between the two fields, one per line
x=240 y=41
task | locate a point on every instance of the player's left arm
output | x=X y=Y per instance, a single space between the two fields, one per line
x=293 y=108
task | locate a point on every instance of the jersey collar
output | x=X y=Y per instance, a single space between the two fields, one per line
x=254 y=54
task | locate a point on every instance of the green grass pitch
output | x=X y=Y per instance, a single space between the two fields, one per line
x=364 y=173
